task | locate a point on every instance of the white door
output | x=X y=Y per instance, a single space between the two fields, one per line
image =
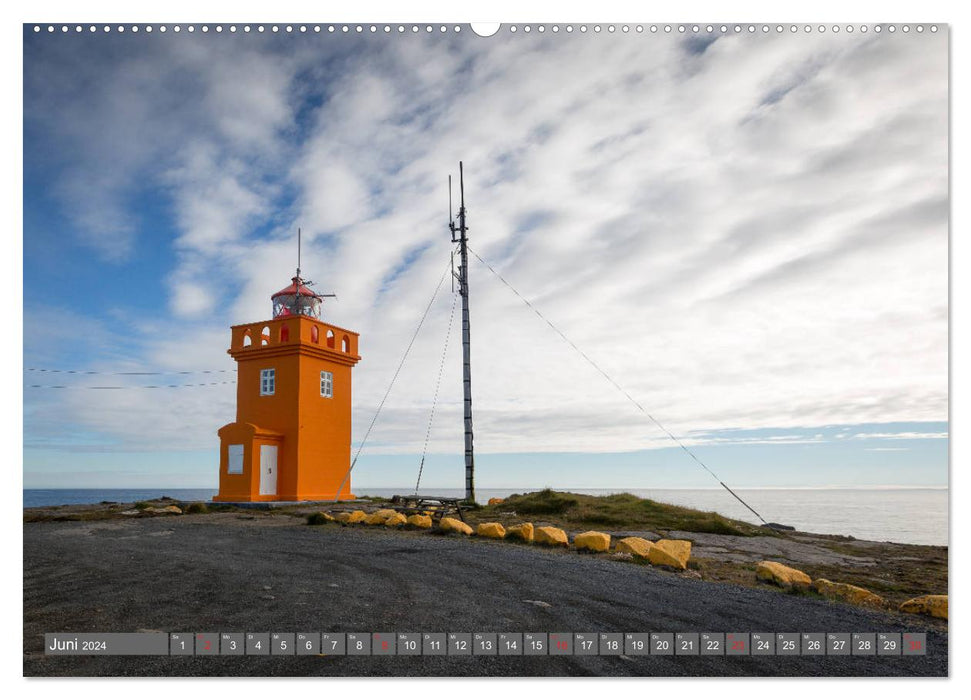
x=267 y=470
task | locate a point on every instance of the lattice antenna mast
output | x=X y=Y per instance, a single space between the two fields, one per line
x=459 y=236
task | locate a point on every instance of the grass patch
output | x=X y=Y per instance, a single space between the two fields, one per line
x=195 y=508
x=545 y=502
x=619 y=511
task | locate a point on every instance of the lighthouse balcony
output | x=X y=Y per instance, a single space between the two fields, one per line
x=294 y=330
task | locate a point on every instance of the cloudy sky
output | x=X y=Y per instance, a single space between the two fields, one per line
x=748 y=233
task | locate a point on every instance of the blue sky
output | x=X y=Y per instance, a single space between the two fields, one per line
x=749 y=234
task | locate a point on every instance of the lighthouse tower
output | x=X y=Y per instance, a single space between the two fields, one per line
x=291 y=440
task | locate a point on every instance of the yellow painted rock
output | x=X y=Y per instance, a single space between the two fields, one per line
x=379 y=516
x=672 y=553
x=593 y=540
x=494 y=530
x=552 y=536
x=847 y=592
x=495 y=501
x=395 y=520
x=637 y=546
x=933 y=605
x=419 y=521
x=357 y=516
x=454 y=525
x=782 y=575
x=522 y=532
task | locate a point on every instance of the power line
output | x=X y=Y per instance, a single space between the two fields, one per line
x=438 y=384
x=616 y=385
x=128 y=374
x=130 y=386
x=401 y=364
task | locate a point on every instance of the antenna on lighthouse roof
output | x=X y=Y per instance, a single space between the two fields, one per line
x=298 y=252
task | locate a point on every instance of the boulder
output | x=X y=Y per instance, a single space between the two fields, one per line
x=848 y=592
x=165 y=510
x=319 y=518
x=395 y=520
x=552 y=536
x=593 y=541
x=670 y=553
x=379 y=516
x=454 y=525
x=636 y=546
x=422 y=521
x=522 y=532
x=933 y=605
x=494 y=530
x=357 y=516
x=782 y=575
x=495 y=501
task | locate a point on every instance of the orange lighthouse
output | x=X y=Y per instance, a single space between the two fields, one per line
x=291 y=440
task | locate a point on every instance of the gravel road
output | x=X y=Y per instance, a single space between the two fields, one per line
x=272 y=573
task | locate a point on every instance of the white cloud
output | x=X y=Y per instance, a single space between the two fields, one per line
x=753 y=236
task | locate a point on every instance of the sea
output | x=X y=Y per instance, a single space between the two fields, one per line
x=889 y=514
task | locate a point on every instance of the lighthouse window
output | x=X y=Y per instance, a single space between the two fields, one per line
x=235 y=465
x=267 y=382
x=327 y=384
